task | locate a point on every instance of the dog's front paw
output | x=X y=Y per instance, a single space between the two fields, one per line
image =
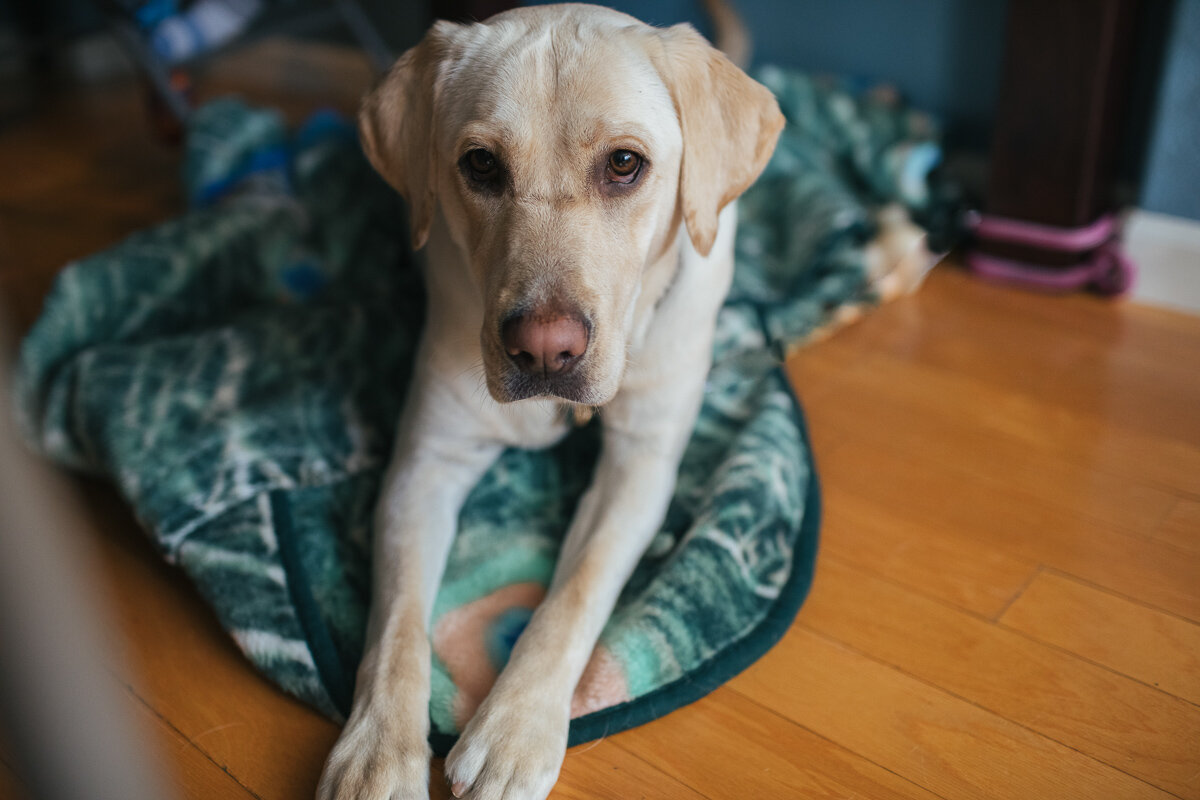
x=511 y=750
x=374 y=761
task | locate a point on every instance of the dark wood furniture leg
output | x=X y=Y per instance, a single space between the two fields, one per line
x=1063 y=91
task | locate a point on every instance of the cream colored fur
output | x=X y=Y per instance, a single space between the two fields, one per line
x=551 y=91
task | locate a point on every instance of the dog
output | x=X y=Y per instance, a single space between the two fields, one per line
x=572 y=173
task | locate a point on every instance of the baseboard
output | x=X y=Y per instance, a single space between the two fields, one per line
x=1167 y=252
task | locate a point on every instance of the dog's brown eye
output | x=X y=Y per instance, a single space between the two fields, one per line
x=482 y=165
x=623 y=166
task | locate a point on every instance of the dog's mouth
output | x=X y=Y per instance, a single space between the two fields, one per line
x=572 y=386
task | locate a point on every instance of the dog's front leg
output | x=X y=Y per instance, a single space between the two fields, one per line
x=383 y=752
x=514 y=745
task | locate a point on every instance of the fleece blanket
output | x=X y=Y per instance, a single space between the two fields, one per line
x=237 y=373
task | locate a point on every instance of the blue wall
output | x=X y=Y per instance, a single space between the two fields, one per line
x=944 y=55
x=1171 y=178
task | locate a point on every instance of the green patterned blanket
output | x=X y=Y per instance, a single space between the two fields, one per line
x=237 y=373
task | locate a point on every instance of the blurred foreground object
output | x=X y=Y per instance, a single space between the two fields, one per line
x=62 y=712
x=1048 y=222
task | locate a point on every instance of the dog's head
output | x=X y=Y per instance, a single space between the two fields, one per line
x=564 y=146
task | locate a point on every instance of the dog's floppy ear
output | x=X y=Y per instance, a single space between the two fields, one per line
x=730 y=124
x=396 y=124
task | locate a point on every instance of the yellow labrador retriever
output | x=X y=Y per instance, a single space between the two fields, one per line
x=572 y=172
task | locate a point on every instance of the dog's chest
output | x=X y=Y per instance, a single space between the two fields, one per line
x=531 y=424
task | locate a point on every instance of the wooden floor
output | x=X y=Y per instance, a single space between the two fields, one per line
x=1007 y=602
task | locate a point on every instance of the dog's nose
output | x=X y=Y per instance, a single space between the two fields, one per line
x=545 y=341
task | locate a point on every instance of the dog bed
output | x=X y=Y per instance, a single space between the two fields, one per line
x=237 y=373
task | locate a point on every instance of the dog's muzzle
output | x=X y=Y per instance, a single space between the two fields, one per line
x=546 y=346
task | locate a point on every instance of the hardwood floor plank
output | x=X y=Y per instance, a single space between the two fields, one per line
x=991 y=433
x=187 y=771
x=817 y=368
x=1155 y=648
x=1127 y=331
x=1181 y=527
x=775 y=757
x=991 y=514
x=947 y=745
x=1097 y=442
x=79 y=155
x=1152 y=332
x=968 y=574
x=606 y=771
x=1111 y=718
x=194 y=776
x=596 y=770
x=1111 y=373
